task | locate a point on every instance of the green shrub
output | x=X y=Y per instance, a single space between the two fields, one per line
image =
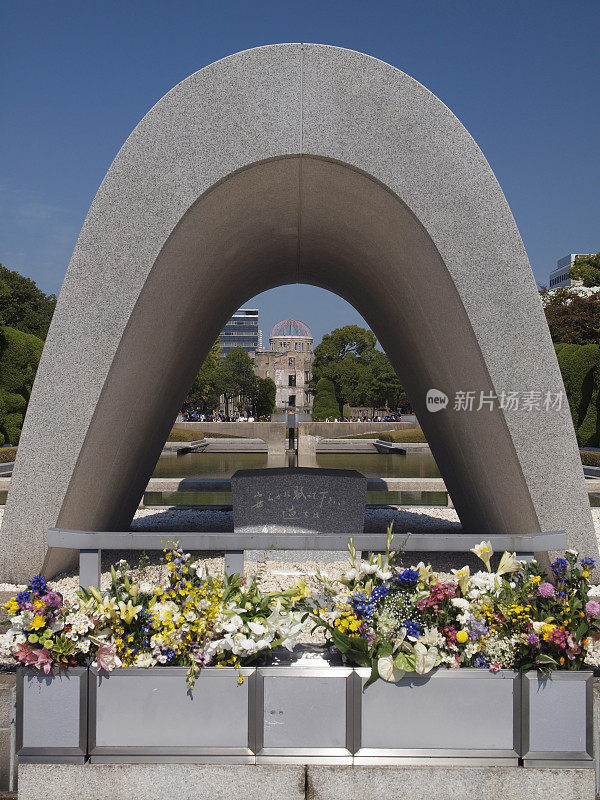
x=7 y=454
x=325 y=404
x=19 y=357
x=412 y=435
x=588 y=457
x=187 y=435
x=184 y=435
x=580 y=369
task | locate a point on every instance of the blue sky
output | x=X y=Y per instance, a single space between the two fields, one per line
x=75 y=79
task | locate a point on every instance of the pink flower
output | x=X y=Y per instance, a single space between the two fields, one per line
x=496 y=666
x=546 y=590
x=42 y=660
x=106 y=657
x=592 y=608
x=39 y=659
x=23 y=653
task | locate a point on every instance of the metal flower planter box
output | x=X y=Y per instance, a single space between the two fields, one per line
x=448 y=716
x=52 y=715
x=148 y=715
x=557 y=719
x=305 y=714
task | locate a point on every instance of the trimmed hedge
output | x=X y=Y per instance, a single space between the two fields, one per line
x=7 y=454
x=19 y=358
x=183 y=435
x=413 y=435
x=325 y=404
x=188 y=435
x=588 y=457
x=580 y=369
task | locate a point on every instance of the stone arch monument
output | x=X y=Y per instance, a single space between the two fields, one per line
x=294 y=163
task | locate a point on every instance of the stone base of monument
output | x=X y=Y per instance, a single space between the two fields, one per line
x=298 y=782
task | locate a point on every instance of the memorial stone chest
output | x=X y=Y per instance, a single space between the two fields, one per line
x=298 y=500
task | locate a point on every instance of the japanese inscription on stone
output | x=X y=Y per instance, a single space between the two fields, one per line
x=298 y=499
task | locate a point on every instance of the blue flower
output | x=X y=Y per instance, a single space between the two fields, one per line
x=378 y=593
x=588 y=562
x=361 y=605
x=408 y=578
x=559 y=566
x=412 y=628
x=481 y=662
x=23 y=597
x=38 y=584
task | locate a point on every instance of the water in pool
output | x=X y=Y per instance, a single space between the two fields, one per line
x=223 y=465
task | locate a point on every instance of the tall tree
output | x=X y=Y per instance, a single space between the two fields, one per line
x=586 y=269
x=23 y=306
x=361 y=374
x=206 y=388
x=343 y=357
x=572 y=317
x=237 y=377
x=264 y=400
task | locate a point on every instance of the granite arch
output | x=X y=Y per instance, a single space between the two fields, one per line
x=294 y=163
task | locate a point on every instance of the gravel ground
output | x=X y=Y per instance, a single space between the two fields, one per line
x=280 y=574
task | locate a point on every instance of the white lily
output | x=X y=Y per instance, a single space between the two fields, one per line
x=508 y=563
x=463 y=576
x=484 y=551
x=425 y=571
x=257 y=628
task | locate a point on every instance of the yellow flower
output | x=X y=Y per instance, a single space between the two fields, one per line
x=585 y=574
x=462 y=637
x=38 y=622
x=536 y=579
x=129 y=612
x=11 y=606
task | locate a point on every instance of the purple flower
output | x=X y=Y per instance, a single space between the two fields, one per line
x=478 y=628
x=532 y=639
x=546 y=590
x=592 y=608
x=52 y=600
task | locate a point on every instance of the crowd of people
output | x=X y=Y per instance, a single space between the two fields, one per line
x=196 y=416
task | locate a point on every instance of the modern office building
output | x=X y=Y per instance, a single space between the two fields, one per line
x=288 y=361
x=560 y=275
x=241 y=331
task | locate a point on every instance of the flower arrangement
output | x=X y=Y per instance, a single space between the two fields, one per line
x=382 y=615
x=45 y=631
x=192 y=620
x=397 y=619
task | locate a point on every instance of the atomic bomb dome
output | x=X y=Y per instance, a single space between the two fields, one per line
x=291 y=328
x=288 y=361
